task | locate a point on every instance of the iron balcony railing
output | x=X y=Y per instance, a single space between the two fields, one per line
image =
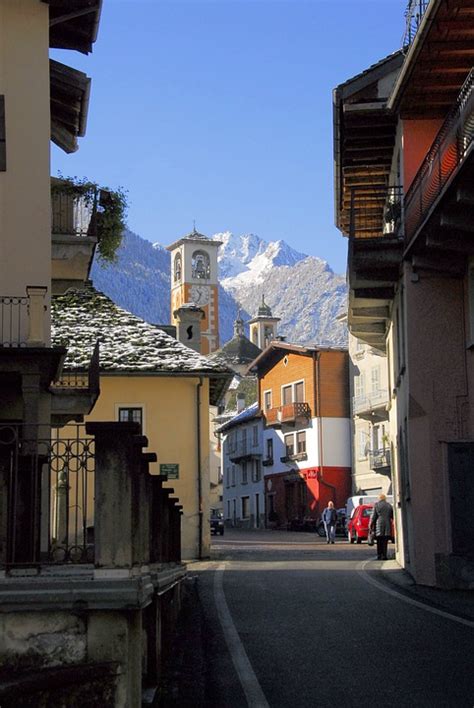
x=47 y=480
x=22 y=319
x=368 y=402
x=413 y=15
x=87 y=380
x=13 y=321
x=244 y=448
x=376 y=212
x=73 y=213
x=445 y=156
x=379 y=458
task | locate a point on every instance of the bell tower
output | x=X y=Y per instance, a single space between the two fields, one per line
x=194 y=280
x=263 y=327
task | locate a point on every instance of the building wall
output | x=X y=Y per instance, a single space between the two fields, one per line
x=169 y=408
x=25 y=185
x=418 y=135
x=298 y=368
x=234 y=488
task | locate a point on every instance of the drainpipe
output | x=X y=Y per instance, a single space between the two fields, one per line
x=199 y=469
x=317 y=398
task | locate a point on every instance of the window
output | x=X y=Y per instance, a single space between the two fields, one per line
x=255 y=436
x=269 y=449
x=292 y=393
x=233 y=475
x=267 y=396
x=301 y=442
x=177 y=268
x=227 y=477
x=375 y=379
x=131 y=415
x=257 y=471
x=359 y=346
x=244 y=473
x=362 y=445
x=290 y=445
x=245 y=507
x=200 y=265
x=228 y=509
x=299 y=392
x=359 y=386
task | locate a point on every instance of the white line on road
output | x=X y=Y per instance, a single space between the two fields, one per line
x=442 y=613
x=252 y=689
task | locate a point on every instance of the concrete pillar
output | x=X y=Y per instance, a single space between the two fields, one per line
x=36 y=308
x=117 y=471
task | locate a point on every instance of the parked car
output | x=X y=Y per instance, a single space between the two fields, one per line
x=340 y=524
x=217 y=522
x=358 y=524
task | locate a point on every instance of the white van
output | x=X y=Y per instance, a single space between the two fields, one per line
x=353 y=502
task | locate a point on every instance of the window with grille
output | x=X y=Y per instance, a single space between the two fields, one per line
x=131 y=415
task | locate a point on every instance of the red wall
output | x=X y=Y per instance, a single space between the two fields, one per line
x=418 y=136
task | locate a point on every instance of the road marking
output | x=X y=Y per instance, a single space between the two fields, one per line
x=442 y=613
x=252 y=689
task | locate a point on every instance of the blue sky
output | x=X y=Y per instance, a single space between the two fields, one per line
x=221 y=111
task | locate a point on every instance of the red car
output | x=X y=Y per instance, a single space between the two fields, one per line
x=358 y=524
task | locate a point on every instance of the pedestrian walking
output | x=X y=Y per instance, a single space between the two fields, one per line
x=329 y=521
x=381 y=524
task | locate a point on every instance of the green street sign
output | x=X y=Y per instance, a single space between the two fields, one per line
x=170 y=471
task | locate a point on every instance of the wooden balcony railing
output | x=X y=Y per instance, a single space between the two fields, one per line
x=288 y=413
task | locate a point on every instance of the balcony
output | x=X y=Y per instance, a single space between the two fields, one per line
x=66 y=505
x=267 y=462
x=294 y=457
x=22 y=319
x=414 y=15
x=451 y=151
x=75 y=392
x=74 y=212
x=371 y=406
x=379 y=459
x=244 y=450
x=290 y=414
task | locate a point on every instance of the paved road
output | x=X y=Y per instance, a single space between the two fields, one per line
x=291 y=621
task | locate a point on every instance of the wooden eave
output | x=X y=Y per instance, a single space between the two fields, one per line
x=69 y=99
x=73 y=24
x=438 y=61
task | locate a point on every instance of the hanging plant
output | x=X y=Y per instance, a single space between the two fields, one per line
x=108 y=207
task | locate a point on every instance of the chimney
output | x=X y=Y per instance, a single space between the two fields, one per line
x=188 y=318
x=240 y=402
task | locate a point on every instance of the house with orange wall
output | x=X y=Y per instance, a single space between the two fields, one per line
x=303 y=394
x=404 y=195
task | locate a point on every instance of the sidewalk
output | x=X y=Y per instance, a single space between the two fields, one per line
x=457 y=602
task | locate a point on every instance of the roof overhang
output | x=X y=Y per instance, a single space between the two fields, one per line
x=364 y=135
x=73 y=24
x=437 y=62
x=69 y=98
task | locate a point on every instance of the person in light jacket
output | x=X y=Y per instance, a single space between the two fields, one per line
x=381 y=524
x=329 y=520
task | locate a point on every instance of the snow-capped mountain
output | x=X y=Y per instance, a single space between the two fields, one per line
x=302 y=290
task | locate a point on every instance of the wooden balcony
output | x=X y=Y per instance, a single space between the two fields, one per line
x=295 y=412
x=290 y=414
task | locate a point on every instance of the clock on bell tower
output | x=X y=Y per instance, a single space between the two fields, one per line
x=194 y=281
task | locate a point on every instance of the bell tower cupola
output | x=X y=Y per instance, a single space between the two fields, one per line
x=263 y=327
x=194 y=280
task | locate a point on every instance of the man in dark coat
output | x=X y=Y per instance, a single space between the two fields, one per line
x=329 y=519
x=381 y=524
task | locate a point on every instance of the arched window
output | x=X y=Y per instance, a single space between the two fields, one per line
x=177 y=268
x=201 y=267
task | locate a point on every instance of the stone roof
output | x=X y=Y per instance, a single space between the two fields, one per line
x=238 y=350
x=127 y=343
x=244 y=416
